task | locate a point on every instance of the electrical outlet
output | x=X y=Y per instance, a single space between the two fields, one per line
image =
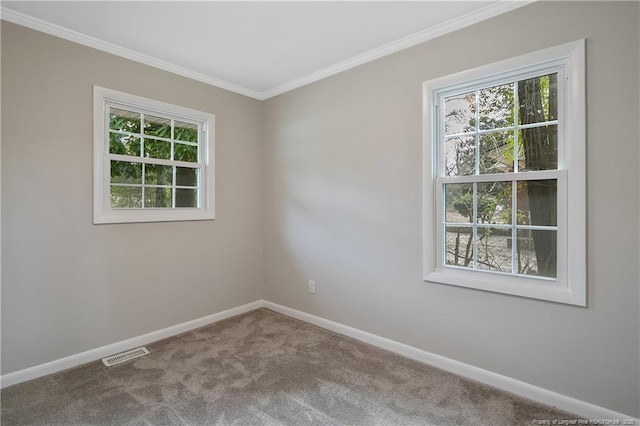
x=312 y=286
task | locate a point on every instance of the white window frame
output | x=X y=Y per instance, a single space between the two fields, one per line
x=102 y=211
x=570 y=284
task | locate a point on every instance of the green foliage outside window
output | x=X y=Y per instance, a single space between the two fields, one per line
x=152 y=137
x=492 y=118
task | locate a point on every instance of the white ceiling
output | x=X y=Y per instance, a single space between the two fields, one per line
x=259 y=49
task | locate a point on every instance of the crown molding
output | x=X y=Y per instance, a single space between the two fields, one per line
x=451 y=25
x=58 y=31
x=411 y=40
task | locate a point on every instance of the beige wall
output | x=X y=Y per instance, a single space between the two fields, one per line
x=70 y=286
x=343 y=207
x=340 y=176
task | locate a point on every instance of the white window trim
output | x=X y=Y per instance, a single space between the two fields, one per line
x=570 y=285
x=102 y=211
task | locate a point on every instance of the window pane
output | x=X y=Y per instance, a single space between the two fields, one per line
x=496 y=152
x=537 y=202
x=459 y=202
x=537 y=253
x=186 y=197
x=538 y=98
x=126 y=172
x=124 y=144
x=538 y=148
x=186 y=176
x=460 y=156
x=125 y=121
x=460 y=113
x=186 y=152
x=157 y=126
x=157 y=197
x=494 y=202
x=186 y=132
x=496 y=107
x=157 y=149
x=123 y=197
x=459 y=246
x=155 y=174
x=494 y=252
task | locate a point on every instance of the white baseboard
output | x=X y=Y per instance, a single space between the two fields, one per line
x=584 y=410
x=104 y=351
x=580 y=408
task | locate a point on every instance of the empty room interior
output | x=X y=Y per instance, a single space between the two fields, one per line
x=320 y=212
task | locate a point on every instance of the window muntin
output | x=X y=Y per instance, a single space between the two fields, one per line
x=139 y=177
x=470 y=243
x=153 y=161
x=496 y=133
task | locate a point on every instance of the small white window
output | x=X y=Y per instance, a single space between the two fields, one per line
x=504 y=177
x=153 y=161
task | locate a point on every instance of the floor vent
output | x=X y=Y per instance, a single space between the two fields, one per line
x=124 y=356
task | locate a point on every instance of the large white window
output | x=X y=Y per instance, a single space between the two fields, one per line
x=153 y=161
x=504 y=177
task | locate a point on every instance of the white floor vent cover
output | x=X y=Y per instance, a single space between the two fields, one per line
x=124 y=356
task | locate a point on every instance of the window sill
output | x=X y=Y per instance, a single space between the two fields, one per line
x=531 y=287
x=152 y=215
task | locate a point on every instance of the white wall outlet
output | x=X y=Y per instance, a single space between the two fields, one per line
x=312 y=286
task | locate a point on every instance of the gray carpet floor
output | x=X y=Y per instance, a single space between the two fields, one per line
x=263 y=368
